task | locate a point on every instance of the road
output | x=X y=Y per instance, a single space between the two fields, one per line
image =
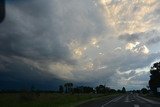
x=128 y=100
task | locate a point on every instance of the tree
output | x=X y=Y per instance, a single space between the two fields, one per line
x=144 y=91
x=154 y=81
x=101 y=89
x=68 y=87
x=61 y=89
x=83 y=89
x=108 y=89
x=123 y=90
x=113 y=91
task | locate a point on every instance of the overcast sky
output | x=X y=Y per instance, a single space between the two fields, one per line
x=48 y=42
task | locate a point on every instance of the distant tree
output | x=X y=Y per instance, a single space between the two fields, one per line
x=83 y=89
x=108 y=89
x=123 y=90
x=87 y=89
x=76 y=90
x=137 y=91
x=61 y=90
x=144 y=90
x=154 y=81
x=119 y=91
x=68 y=87
x=101 y=89
x=113 y=91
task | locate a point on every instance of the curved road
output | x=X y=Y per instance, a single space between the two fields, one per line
x=128 y=100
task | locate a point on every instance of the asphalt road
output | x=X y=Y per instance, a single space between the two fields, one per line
x=128 y=100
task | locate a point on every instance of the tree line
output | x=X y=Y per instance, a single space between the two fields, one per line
x=100 y=89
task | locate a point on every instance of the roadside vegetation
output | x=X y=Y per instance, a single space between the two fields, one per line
x=25 y=99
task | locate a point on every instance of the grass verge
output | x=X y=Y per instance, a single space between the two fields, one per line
x=46 y=99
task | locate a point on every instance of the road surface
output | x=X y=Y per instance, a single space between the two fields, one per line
x=128 y=100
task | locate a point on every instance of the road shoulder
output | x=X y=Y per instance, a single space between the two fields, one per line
x=152 y=100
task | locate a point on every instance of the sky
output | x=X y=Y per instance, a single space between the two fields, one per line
x=46 y=43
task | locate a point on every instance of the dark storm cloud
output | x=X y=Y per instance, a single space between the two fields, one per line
x=40 y=30
x=28 y=32
x=35 y=34
x=15 y=74
x=130 y=37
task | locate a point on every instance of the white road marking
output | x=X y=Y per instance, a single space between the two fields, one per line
x=113 y=100
x=127 y=99
x=116 y=99
x=148 y=100
x=136 y=105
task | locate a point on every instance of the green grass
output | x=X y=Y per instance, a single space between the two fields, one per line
x=44 y=99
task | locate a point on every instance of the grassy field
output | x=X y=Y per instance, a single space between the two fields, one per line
x=44 y=99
